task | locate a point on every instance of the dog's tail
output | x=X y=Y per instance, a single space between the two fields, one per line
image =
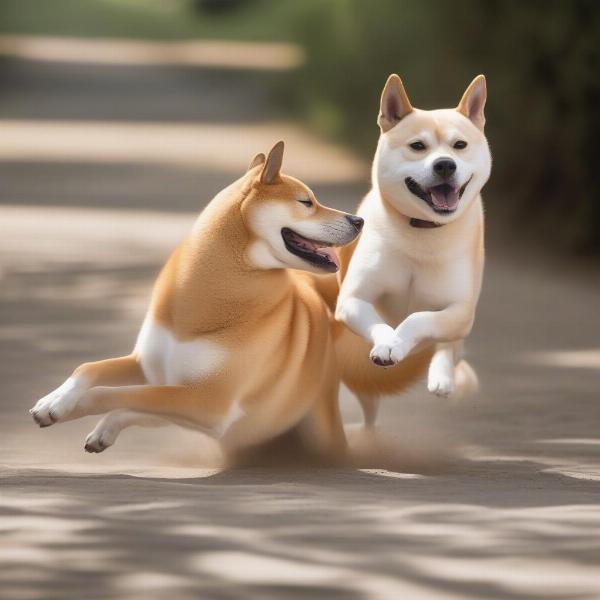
x=466 y=382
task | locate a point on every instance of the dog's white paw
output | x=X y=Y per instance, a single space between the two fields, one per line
x=380 y=353
x=58 y=404
x=101 y=438
x=400 y=350
x=440 y=384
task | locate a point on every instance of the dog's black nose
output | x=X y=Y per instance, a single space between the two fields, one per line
x=357 y=222
x=444 y=167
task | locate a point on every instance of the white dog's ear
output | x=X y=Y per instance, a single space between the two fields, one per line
x=259 y=159
x=270 y=172
x=473 y=101
x=395 y=104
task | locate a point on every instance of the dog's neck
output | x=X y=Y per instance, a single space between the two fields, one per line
x=215 y=286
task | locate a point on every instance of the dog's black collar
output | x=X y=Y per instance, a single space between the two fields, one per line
x=422 y=224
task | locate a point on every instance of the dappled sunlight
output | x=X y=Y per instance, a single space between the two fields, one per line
x=565 y=359
x=253 y=531
x=392 y=474
x=108 y=150
x=222 y=54
x=131 y=509
x=223 y=147
x=528 y=578
x=583 y=441
x=246 y=531
x=586 y=472
x=149 y=581
x=250 y=568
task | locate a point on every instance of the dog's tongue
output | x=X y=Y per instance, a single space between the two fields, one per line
x=322 y=250
x=331 y=254
x=444 y=196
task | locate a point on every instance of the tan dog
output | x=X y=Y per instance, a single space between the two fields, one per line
x=410 y=285
x=234 y=343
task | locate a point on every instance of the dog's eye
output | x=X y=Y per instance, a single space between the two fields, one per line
x=460 y=144
x=306 y=202
x=418 y=146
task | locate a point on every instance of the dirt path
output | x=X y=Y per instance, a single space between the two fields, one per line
x=516 y=512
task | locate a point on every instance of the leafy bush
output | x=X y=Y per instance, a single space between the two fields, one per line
x=541 y=58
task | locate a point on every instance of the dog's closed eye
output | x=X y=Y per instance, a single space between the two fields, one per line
x=306 y=202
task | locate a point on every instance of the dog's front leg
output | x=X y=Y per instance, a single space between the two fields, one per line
x=364 y=320
x=58 y=405
x=203 y=404
x=448 y=325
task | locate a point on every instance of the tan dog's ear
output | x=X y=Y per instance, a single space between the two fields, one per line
x=473 y=102
x=259 y=159
x=395 y=104
x=270 y=172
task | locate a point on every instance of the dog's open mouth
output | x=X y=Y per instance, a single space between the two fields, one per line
x=442 y=198
x=315 y=252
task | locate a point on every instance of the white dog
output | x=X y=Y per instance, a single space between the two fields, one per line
x=414 y=277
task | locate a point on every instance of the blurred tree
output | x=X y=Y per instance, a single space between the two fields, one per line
x=215 y=6
x=541 y=58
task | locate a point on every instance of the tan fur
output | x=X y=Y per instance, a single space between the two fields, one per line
x=272 y=324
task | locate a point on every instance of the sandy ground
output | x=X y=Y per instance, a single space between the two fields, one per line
x=499 y=496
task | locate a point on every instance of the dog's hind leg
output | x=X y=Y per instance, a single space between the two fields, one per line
x=451 y=375
x=370 y=408
x=440 y=379
x=110 y=426
x=58 y=404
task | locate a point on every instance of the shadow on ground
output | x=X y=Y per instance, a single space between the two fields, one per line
x=267 y=533
x=81 y=243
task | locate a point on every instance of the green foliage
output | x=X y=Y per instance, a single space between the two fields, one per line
x=541 y=58
x=147 y=19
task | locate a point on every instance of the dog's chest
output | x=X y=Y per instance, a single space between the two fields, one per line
x=407 y=285
x=166 y=360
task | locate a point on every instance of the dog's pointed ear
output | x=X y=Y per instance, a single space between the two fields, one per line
x=473 y=102
x=272 y=167
x=395 y=104
x=259 y=159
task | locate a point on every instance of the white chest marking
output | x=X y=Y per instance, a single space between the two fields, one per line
x=167 y=361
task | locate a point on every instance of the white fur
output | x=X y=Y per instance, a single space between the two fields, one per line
x=397 y=272
x=440 y=379
x=165 y=360
x=168 y=361
x=58 y=404
x=395 y=160
x=110 y=426
x=406 y=286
